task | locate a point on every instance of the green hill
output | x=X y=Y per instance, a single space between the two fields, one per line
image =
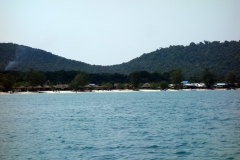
x=219 y=57
x=18 y=57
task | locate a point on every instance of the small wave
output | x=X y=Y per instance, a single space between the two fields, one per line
x=87 y=148
x=151 y=148
x=181 y=145
x=212 y=128
x=183 y=153
x=68 y=147
x=226 y=119
x=41 y=152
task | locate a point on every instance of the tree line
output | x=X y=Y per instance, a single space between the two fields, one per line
x=13 y=79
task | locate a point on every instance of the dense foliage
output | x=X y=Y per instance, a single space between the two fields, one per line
x=176 y=76
x=221 y=58
x=34 y=77
x=80 y=79
x=14 y=79
x=7 y=53
x=208 y=78
x=135 y=79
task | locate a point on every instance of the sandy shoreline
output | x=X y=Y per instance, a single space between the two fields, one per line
x=106 y=91
x=69 y=92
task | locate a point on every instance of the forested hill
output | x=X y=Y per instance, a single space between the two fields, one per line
x=219 y=57
x=18 y=57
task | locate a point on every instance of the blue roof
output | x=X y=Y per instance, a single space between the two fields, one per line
x=185 y=82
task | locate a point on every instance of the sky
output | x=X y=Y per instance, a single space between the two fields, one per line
x=108 y=32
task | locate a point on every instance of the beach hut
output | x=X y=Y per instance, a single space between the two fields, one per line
x=37 y=88
x=115 y=85
x=96 y=87
x=62 y=87
x=21 y=88
x=127 y=86
x=46 y=88
x=30 y=88
x=146 y=86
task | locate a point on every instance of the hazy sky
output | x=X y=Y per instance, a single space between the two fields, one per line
x=107 y=32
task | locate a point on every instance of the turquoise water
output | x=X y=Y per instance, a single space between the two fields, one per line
x=134 y=125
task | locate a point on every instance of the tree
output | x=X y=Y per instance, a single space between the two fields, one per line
x=154 y=85
x=108 y=86
x=144 y=76
x=135 y=79
x=176 y=76
x=208 y=78
x=231 y=78
x=7 y=81
x=34 y=77
x=120 y=86
x=163 y=85
x=80 y=79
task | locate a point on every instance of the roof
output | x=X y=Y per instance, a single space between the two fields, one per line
x=189 y=84
x=38 y=87
x=21 y=87
x=96 y=86
x=200 y=84
x=62 y=86
x=184 y=82
x=46 y=86
x=195 y=84
x=146 y=85
x=221 y=84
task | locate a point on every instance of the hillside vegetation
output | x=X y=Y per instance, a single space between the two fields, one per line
x=221 y=58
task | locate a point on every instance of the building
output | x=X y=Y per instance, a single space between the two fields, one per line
x=146 y=86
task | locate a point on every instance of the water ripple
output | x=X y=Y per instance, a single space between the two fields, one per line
x=160 y=125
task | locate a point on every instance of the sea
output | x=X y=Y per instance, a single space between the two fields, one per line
x=121 y=125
